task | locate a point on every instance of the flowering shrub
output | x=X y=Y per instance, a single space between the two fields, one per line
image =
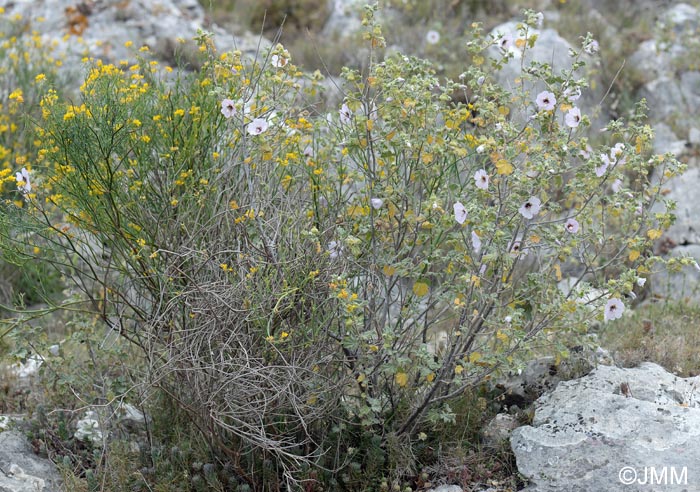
x=318 y=288
x=27 y=67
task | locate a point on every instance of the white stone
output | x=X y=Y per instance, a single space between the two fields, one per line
x=88 y=428
x=28 y=368
x=24 y=471
x=447 y=488
x=586 y=430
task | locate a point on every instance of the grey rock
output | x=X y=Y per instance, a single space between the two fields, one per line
x=667 y=141
x=633 y=8
x=694 y=136
x=23 y=470
x=682 y=190
x=524 y=387
x=88 y=429
x=651 y=62
x=664 y=97
x=690 y=88
x=682 y=239
x=683 y=284
x=587 y=430
x=131 y=414
x=108 y=25
x=499 y=429
x=344 y=18
x=672 y=91
x=681 y=17
x=447 y=488
x=552 y=49
x=544 y=374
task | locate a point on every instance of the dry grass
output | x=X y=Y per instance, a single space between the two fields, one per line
x=666 y=333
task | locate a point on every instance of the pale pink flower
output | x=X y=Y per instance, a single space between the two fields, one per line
x=573 y=117
x=23 y=183
x=481 y=178
x=539 y=19
x=476 y=242
x=517 y=250
x=605 y=162
x=592 y=47
x=571 y=225
x=228 y=108
x=617 y=150
x=613 y=309
x=334 y=249
x=617 y=185
x=546 y=101
x=258 y=126
x=571 y=93
x=586 y=153
x=376 y=203
x=530 y=208
x=432 y=37
x=616 y=156
x=345 y=114
x=278 y=61
x=506 y=41
x=460 y=212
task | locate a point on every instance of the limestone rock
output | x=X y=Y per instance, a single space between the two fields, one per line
x=550 y=48
x=670 y=86
x=684 y=284
x=524 y=387
x=682 y=189
x=587 y=430
x=447 y=488
x=499 y=429
x=544 y=374
x=667 y=141
x=104 y=26
x=344 y=18
x=88 y=429
x=22 y=470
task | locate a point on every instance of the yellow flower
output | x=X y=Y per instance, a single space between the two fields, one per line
x=17 y=95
